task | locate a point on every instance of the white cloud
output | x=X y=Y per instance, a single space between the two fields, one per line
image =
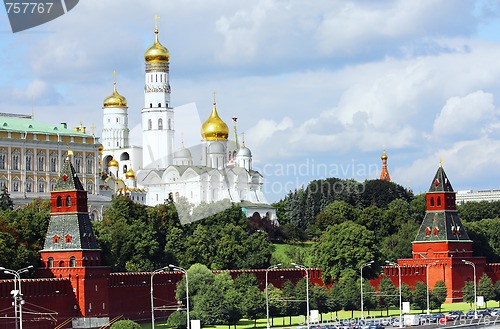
x=461 y=115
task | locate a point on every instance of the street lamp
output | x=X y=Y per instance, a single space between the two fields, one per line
x=302 y=267
x=180 y=269
x=427 y=283
x=475 y=287
x=400 y=296
x=152 y=300
x=18 y=296
x=267 y=293
x=361 y=285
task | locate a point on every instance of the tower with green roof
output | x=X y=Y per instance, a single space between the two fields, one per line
x=71 y=250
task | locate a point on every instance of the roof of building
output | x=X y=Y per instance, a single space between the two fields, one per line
x=27 y=124
x=68 y=180
x=440 y=183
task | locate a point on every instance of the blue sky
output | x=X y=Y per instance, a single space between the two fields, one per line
x=320 y=88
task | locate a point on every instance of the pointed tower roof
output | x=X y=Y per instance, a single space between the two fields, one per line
x=440 y=183
x=384 y=175
x=68 y=180
x=441 y=221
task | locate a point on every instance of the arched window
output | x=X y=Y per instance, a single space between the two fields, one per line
x=160 y=124
x=50 y=262
x=439 y=201
x=159 y=104
x=59 y=202
x=125 y=169
x=169 y=124
x=61 y=263
x=72 y=261
x=432 y=202
x=150 y=124
x=68 y=201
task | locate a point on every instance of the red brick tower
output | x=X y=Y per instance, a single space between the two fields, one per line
x=71 y=250
x=442 y=243
x=384 y=175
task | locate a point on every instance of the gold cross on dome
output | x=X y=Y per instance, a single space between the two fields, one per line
x=93 y=128
x=214 y=96
x=156 y=17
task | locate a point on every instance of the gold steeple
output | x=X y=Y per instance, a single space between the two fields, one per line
x=115 y=100
x=214 y=128
x=157 y=52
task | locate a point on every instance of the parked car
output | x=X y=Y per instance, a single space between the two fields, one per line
x=424 y=318
x=494 y=312
x=436 y=317
x=469 y=314
x=482 y=313
x=454 y=315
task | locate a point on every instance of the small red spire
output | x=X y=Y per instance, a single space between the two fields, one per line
x=384 y=175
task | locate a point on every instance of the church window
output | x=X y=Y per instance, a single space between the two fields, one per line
x=160 y=124
x=55 y=239
x=169 y=122
x=125 y=169
x=156 y=77
x=69 y=238
x=28 y=187
x=41 y=163
x=50 y=262
x=78 y=164
x=3 y=157
x=159 y=104
x=59 y=202
x=28 y=162
x=109 y=120
x=432 y=202
x=15 y=186
x=68 y=201
x=439 y=201
x=90 y=187
x=53 y=164
x=150 y=105
x=41 y=187
x=89 y=167
x=150 y=124
x=15 y=162
x=61 y=263
x=72 y=261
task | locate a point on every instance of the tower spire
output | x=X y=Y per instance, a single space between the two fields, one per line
x=384 y=175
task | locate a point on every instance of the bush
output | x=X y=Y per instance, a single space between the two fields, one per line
x=125 y=324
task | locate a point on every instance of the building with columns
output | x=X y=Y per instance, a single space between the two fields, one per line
x=223 y=171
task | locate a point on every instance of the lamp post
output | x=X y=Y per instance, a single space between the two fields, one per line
x=152 y=299
x=18 y=296
x=302 y=267
x=427 y=283
x=475 y=286
x=180 y=269
x=400 y=296
x=361 y=286
x=267 y=293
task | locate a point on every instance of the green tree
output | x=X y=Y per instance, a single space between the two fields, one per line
x=125 y=324
x=350 y=294
x=336 y=213
x=468 y=292
x=276 y=302
x=438 y=294
x=344 y=247
x=369 y=297
x=485 y=288
x=380 y=193
x=398 y=245
x=318 y=299
x=176 y=320
x=420 y=296
x=289 y=296
x=6 y=202
x=335 y=297
x=497 y=292
x=475 y=211
x=388 y=294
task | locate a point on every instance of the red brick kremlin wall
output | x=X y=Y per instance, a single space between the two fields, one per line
x=49 y=302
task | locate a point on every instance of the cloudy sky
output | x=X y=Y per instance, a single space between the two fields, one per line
x=320 y=88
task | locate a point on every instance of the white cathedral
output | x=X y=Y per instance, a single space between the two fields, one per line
x=222 y=169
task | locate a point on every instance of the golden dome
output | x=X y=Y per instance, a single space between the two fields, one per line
x=384 y=156
x=115 y=100
x=113 y=163
x=130 y=174
x=157 y=52
x=214 y=128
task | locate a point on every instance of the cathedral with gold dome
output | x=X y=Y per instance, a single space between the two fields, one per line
x=151 y=172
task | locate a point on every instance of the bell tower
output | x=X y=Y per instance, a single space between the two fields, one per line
x=71 y=250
